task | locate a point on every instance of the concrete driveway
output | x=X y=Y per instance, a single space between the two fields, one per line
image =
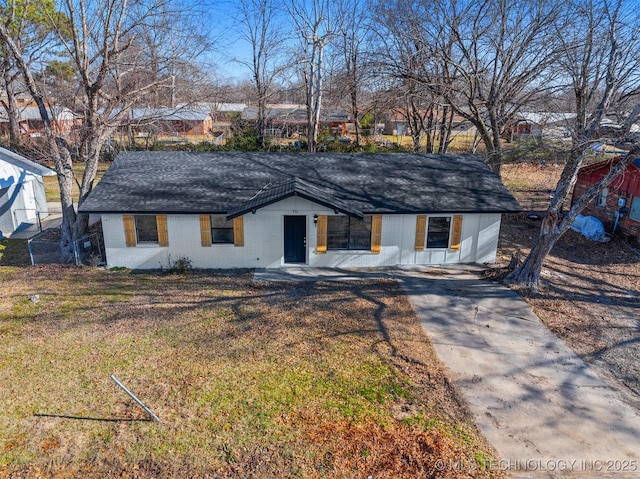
x=544 y=410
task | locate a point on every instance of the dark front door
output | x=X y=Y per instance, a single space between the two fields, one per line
x=295 y=239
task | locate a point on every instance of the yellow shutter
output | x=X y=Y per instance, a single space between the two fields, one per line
x=163 y=234
x=129 y=230
x=321 y=247
x=421 y=229
x=205 y=230
x=238 y=232
x=456 y=232
x=376 y=233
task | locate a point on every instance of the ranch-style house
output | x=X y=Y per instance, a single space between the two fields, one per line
x=272 y=210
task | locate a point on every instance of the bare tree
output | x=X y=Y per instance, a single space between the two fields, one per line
x=601 y=60
x=317 y=23
x=107 y=43
x=262 y=30
x=355 y=33
x=30 y=28
x=485 y=59
x=56 y=149
x=10 y=103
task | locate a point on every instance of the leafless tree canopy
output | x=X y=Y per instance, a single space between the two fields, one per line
x=121 y=53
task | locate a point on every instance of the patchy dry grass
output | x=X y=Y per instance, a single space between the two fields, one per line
x=260 y=380
x=531 y=183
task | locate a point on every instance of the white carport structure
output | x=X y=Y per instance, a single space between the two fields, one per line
x=22 y=195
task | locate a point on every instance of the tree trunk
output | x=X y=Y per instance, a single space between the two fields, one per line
x=11 y=106
x=63 y=165
x=317 y=107
x=445 y=130
x=528 y=273
x=429 y=148
x=91 y=145
x=355 y=112
x=415 y=138
x=261 y=124
x=311 y=126
x=494 y=155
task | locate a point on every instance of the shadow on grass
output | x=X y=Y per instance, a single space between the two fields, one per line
x=104 y=419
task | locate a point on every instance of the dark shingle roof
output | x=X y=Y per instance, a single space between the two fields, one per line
x=220 y=182
x=273 y=193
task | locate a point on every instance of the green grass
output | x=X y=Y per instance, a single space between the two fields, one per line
x=52 y=190
x=256 y=380
x=14 y=252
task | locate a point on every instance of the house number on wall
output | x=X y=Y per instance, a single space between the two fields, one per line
x=294 y=211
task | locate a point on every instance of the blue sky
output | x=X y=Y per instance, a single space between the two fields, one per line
x=224 y=33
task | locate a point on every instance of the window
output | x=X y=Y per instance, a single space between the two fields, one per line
x=438 y=232
x=601 y=199
x=634 y=212
x=146 y=229
x=215 y=229
x=344 y=232
x=221 y=229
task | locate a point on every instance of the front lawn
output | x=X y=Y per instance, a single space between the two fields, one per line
x=308 y=380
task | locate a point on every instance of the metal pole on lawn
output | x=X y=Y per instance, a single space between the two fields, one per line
x=140 y=403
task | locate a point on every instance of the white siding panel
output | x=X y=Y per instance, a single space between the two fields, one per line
x=467 y=253
x=113 y=231
x=488 y=234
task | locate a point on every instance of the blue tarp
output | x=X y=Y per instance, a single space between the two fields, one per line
x=589 y=226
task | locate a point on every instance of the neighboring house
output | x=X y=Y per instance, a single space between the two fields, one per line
x=285 y=120
x=618 y=205
x=63 y=120
x=269 y=210
x=544 y=125
x=222 y=111
x=611 y=125
x=224 y=116
x=182 y=122
x=396 y=124
x=22 y=196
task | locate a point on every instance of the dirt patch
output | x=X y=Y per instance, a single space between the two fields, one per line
x=590 y=292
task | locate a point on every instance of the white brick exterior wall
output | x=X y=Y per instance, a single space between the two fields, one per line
x=264 y=242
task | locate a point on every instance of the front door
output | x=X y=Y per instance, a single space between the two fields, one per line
x=295 y=239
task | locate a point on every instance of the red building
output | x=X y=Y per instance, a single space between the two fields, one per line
x=618 y=205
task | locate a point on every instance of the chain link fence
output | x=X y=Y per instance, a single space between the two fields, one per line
x=45 y=249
